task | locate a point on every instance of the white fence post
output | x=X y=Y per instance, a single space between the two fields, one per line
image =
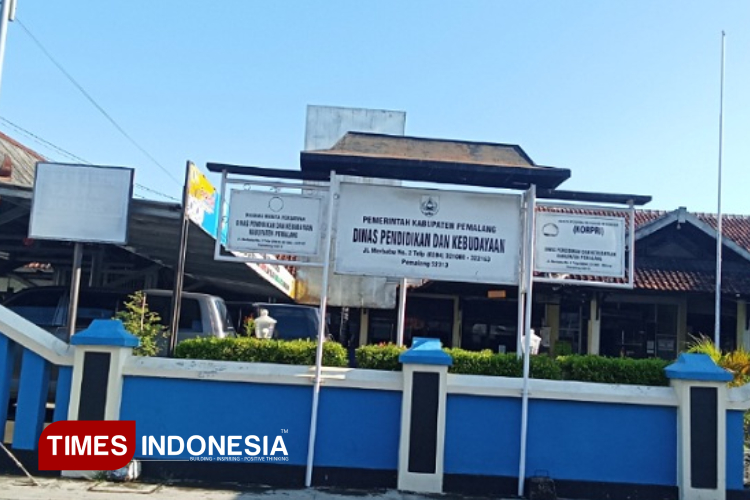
x=701 y=392
x=422 y=441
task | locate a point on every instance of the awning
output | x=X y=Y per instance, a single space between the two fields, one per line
x=154 y=234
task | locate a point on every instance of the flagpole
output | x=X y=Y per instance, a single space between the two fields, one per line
x=7 y=13
x=719 y=235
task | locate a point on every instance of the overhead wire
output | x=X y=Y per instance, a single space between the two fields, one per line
x=94 y=103
x=44 y=142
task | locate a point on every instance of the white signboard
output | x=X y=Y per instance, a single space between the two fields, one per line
x=428 y=234
x=273 y=223
x=580 y=244
x=81 y=203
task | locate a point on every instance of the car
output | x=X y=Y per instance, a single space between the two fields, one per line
x=200 y=315
x=293 y=321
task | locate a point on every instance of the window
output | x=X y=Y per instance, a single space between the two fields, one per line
x=190 y=311
x=293 y=323
x=38 y=306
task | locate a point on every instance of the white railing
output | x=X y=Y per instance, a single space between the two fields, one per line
x=27 y=334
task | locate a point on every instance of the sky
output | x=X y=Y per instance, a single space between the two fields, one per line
x=625 y=94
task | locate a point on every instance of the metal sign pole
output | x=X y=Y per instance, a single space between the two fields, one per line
x=75 y=287
x=179 y=275
x=332 y=196
x=522 y=282
x=528 y=277
x=631 y=255
x=401 y=313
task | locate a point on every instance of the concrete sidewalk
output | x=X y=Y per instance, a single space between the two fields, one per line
x=20 y=488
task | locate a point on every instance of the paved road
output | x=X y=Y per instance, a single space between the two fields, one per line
x=20 y=488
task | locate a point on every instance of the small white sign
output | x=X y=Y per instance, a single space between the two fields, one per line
x=82 y=203
x=273 y=223
x=580 y=244
x=393 y=231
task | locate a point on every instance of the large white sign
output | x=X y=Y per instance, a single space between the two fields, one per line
x=273 y=223
x=82 y=203
x=580 y=244
x=428 y=234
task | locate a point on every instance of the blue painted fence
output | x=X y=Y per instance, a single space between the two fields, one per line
x=26 y=375
x=359 y=422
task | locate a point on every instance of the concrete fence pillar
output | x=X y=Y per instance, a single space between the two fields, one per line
x=422 y=441
x=96 y=385
x=101 y=352
x=701 y=392
x=595 y=326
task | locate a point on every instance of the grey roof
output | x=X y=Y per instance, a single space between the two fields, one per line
x=20 y=160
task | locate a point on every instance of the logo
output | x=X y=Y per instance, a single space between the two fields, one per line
x=430 y=205
x=87 y=445
x=550 y=229
x=250 y=448
x=275 y=204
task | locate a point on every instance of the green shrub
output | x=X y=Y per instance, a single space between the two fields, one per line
x=250 y=349
x=563 y=348
x=573 y=367
x=379 y=357
x=591 y=368
x=501 y=365
x=545 y=367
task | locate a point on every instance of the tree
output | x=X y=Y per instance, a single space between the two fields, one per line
x=143 y=323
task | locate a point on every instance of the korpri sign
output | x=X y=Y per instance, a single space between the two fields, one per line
x=428 y=234
x=580 y=244
x=273 y=223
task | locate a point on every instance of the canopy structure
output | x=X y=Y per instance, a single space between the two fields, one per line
x=154 y=230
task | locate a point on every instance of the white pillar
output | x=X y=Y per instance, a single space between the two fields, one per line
x=595 y=325
x=701 y=392
x=101 y=352
x=422 y=441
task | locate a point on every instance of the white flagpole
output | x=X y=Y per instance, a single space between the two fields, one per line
x=719 y=236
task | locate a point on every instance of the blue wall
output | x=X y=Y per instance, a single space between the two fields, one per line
x=603 y=442
x=735 y=450
x=482 y=435
x=568 y=440
x=175 y=407
x=358 y=428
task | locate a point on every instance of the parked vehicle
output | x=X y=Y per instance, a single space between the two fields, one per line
x=200 y=315
x=293 y=321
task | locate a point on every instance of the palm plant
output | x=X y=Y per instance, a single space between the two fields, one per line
x=737 y=362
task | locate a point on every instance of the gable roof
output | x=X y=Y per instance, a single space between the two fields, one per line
x=735 y=229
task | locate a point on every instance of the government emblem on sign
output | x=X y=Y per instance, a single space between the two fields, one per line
x=430 y=205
